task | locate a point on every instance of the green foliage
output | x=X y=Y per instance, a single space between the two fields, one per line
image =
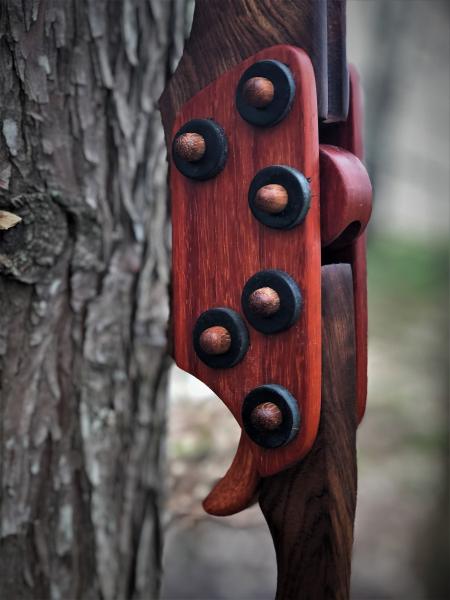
x=407 y=269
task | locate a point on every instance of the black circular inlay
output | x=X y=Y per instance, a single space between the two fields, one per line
x=287 y=404
x=299 y=196
x=213 y=161
x=235 y=325
x=290 y=301
x=284 y=91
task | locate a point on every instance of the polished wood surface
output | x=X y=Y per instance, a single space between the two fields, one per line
x=310 y=508
x=349 y=135
x=345 y=197
x=218 y=245
x=238 y=488
x=224 y=33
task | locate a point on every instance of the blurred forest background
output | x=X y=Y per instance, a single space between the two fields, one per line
x=402 y=50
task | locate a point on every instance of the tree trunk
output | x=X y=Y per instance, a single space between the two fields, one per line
x=83 y=294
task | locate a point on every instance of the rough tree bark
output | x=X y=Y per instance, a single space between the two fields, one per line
x=83 y=294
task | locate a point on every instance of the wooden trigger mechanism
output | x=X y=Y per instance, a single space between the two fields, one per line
x=258 y=205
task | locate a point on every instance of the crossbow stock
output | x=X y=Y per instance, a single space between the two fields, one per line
x=270 y=201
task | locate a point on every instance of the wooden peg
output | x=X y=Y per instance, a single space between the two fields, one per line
x=190 y=146
x=258 y=92
x=272 y=198
x=266 y=416
x=215 y=340
x=264 y=301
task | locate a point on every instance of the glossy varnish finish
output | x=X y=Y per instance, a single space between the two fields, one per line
x=310 y=508
x=345 y=197
x=226 y=32
x=348 y=135
x=239 y=487
x=218 y=245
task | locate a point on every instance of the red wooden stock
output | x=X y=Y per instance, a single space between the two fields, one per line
x=214 y=232
x=218 y=245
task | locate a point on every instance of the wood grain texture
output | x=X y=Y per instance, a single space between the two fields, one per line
x=218 y=245
x=345 y=197
x=238 y=488
x=226 y=33
x=310 y=508
x=348 y=135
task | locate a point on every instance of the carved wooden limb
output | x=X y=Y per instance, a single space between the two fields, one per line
x=310 y=508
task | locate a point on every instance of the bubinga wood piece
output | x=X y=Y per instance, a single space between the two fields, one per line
x=264 y=301
x=259 y=92
x=272 y=198
x=215 y=340
x=190 y=146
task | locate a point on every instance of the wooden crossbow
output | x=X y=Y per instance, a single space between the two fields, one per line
x=269 y=202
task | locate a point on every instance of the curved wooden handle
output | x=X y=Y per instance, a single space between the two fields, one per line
x=238 y=488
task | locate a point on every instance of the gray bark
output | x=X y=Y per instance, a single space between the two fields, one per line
x=83 y=294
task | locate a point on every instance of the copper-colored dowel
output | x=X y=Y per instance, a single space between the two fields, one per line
x=190 y=146
x=264 y=301
x=258 y=92
x=272 y=198
x=266 y=416
x=215 y=340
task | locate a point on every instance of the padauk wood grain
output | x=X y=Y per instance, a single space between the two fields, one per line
x=238 y=488
x=217 y=234
x=345 y=197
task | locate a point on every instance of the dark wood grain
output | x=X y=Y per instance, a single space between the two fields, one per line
x=224 y=33
x=349 y=135
x=337 y=74
x=218 y=245
x=310 y=508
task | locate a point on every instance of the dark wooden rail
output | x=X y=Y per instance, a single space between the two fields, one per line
x=310 y=508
